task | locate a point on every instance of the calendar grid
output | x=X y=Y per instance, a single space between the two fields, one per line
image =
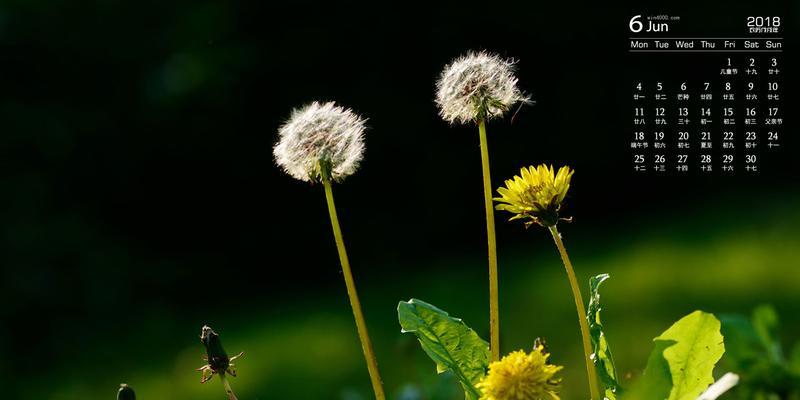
x=718 y=112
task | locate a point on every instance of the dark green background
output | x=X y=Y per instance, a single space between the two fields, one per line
x=139 y=200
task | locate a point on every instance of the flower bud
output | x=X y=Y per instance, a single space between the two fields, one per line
x=125 y=392
x=217 y=359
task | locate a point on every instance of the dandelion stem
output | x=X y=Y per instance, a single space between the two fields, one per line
x=366 y=344
x=494 y=317
x=576 y=294
x=228 y=390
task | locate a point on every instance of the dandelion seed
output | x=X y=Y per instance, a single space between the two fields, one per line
x=476 y=87
x=521 y=376
x=536 y=194
x=320 y=140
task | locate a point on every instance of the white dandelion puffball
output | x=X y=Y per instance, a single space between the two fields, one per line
x=477 y=86
x=319 y=135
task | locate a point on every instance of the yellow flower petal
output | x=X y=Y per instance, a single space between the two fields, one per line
x=536 y=193
x=521 y=376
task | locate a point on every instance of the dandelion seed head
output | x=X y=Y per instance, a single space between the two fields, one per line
x=320 y=138
x=478 y=85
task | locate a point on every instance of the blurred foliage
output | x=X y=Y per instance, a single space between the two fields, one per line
x=728 y=269
x=755 y=352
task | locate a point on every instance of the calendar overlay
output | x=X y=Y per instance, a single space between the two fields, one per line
x=705 y=105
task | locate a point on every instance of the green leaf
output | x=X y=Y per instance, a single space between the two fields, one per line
x=794 y=359
x=753 y=350
x=743 y=348
x=603 y=360
x=450 y=343
x=765 y=323
x=683 y=359
x=699 y=345
x=656 y=381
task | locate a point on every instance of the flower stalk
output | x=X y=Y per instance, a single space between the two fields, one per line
x=472 y=89
x=355 y=304
x=227 y=386
x=324 y=142
x=535 y=197
x=594 y=388
x=494 y=308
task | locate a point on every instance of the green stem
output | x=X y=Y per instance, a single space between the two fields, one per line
x=494 y=313
x=228 y=390
x=576 y=294
x=355 y=304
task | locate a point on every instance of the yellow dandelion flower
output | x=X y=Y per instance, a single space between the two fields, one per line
x=521 y=376
x=536 y=193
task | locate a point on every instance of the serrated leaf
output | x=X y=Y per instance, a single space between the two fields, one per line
x=603 y=360
x=450 y=343
x=699 y=345
x=683 y=359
